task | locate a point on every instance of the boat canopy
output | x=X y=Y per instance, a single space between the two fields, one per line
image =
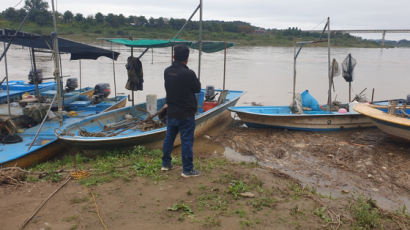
x=207 y=46
x=76 y=49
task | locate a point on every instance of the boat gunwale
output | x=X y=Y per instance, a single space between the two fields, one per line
x=379 y=115
x=236 y=110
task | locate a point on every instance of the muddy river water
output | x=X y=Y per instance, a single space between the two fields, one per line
x=265 y=73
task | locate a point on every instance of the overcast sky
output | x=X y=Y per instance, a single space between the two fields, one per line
x=305 y=14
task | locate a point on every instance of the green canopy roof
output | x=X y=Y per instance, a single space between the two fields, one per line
x=207 y=46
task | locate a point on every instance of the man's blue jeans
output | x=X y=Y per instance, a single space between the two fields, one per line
x=186 y=128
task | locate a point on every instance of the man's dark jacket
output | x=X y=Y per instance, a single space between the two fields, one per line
x=181 y=84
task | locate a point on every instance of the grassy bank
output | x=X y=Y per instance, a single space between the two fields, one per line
x=88 y=33
x=132 y=192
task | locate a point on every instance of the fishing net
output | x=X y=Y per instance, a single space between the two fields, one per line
x=348 y=66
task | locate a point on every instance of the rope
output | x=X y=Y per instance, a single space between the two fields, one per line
x=80 y=174
x=43 y=203
x=98 y=210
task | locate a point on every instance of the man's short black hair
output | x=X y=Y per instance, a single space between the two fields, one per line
x=181 y=53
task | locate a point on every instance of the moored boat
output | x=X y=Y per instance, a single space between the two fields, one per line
x=95 y=131
x=33 y=149
x=283 y=117
x=305 y=113
x=396 y=124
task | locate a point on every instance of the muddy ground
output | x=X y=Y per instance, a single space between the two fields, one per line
x=342 y=163
x=303 y=181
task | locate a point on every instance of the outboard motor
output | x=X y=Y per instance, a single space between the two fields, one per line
x=408 y=99
x=35 y=76
x=71 y=84
x=102 y=90
x=210 y=93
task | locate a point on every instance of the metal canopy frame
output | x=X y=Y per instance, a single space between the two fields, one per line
x=296 y=52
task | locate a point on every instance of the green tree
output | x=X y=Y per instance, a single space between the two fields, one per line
x=141 y=21
x=68 y=16
x=38 y=12
x=99 y=17
x=79 y=17
x=35 y=5
x=10 y=14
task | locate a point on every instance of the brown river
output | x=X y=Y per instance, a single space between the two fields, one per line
x=265 y=73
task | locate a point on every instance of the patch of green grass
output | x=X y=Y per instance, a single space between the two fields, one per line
x=236 y=187
x=296 y=211
x=95 y=180
x=365 y=214
x=321 y=212
x=260 y=202
x=241 y=213
x=183 y=208
x=246 y=223
x=212 y=221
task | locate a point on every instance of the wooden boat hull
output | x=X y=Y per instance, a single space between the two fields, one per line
x=41 y=152
x=304 y=122
x=391 y=124
x=204 y=121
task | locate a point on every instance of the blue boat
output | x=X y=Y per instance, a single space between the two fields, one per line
x=26 y=141
x=305 y=113
x=46 y=145
x=95 y=131
x=18 y=88
x=283 y=117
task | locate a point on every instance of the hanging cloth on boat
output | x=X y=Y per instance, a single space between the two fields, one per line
x=135 y=74
x=348 y=66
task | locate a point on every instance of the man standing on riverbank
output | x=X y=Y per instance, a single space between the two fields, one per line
x=181 y=84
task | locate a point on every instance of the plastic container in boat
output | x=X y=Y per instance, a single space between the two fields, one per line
x=209 y=105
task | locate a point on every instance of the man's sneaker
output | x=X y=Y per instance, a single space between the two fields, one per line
x=167 y=168
x=190 y=174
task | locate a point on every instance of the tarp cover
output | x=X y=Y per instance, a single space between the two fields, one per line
x=207 y=46
x=76 y=49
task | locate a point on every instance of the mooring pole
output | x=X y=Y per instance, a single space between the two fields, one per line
x=33 y=56
x=294 y=75
x=200 y=39
x=57 y=66
x=7 y=80
x=172 y=54
x=113 y=73
x=132 y=96
x=329 y=68
x=79 y=61
x=224 y=66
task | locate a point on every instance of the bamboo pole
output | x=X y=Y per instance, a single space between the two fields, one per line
x=224 y=66
x=113 y=73
x=33 y=56
x=329 y=69
x=57 y=65
x=200 y=39
x=7 y=81
x=79 y=61
x=294 y=75
x=186 y=23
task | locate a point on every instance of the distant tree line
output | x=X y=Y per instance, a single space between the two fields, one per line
x=119 y=24
x=42 y=16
